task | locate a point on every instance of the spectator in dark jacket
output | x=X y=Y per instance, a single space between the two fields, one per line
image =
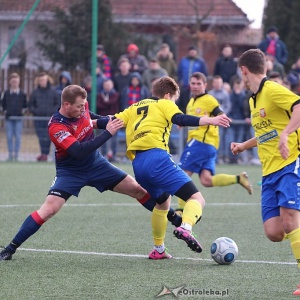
x=121 y=79
x=226 y=65
x=14 y=104
x=108 y=104
x=64 y=80
x=190 y=64
x=43 y=101
x=134 y=92
x=273 y=45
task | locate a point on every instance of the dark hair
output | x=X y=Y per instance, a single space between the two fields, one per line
x=71 y=92
x=274 y=74
x=254 y=60
x=199 y=76
x=163 y=86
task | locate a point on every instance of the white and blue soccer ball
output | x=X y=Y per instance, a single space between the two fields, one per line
x=224 y=251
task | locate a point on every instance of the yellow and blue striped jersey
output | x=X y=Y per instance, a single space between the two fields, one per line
x=148 y=124
x=200 y=106
x=271 y=108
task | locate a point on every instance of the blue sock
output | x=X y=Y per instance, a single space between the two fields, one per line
x=30 y=226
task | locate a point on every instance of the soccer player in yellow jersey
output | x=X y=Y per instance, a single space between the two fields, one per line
x=200 y=153
x=275 y=117
x=148 y=124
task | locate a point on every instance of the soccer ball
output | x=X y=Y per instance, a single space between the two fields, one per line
x=224 y=251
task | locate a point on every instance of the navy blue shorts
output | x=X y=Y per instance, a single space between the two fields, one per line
x=198 y=156
x=280 y=189
x=156 y=172
x=102 y=176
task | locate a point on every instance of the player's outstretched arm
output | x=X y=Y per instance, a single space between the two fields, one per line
x=237 y=148
x=80 y=150
x=220 y=120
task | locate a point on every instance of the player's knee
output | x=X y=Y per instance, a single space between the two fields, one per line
x=275 y=236
x=206 y=182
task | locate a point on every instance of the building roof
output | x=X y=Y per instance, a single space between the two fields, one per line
x=25 y=5
x=221 y=12
x=178 y=11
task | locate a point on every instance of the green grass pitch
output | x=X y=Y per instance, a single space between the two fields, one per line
x=96 y=247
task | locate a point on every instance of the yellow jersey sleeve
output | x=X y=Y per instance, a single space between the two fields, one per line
x=270 y=113
x=148 y=124
x=201 y=106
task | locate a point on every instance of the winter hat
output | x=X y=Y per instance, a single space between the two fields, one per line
x=132 y=47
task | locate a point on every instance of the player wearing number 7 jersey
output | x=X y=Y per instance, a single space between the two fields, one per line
x=148 y=124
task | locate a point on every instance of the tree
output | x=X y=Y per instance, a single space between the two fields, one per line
x=68 y=43
x=284 y=14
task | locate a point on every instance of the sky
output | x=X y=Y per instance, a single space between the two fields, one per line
x=253 y=9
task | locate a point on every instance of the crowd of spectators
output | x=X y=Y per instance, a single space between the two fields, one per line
x=131 y=80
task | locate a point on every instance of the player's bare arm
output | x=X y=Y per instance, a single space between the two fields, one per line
x=292 y=126
x=237 y=148
x=220 y=120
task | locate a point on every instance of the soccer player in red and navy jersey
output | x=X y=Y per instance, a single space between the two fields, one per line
x=79 y=163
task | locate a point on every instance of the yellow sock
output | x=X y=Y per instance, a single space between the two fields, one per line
x=224 y=179
x=159 y=225
x=192 y=212
x=181 y=204
x=294 y=237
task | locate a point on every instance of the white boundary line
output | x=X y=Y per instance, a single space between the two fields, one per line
x=145 y=256
x=118 y=204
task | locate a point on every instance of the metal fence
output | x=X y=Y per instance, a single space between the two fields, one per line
x=30 y=144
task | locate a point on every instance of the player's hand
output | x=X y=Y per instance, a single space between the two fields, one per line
x=221 y=120
x=236 y=148
x=114 y=125
x=283 y=145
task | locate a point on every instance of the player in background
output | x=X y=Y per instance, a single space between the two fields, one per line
x=148 y=124
x=275 y=117
x=200 y=153
x=78 y=163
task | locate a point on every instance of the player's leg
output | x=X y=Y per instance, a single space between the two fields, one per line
x=181 y=203
x=129 y=186
x=32 y=224
x=281 y=208
x=159 y=223
x=192 y=213
x=274 y=230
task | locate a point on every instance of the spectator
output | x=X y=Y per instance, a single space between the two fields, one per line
x=226 y=65
x=104 y=62
x=108 y=104
x=275 y=76
x=154 y=71
x=273 y=45
x=43 y=102
x=184 y=98
x=236 y=132
x=137 y=61
x=223 y=98
x=190 y=64
x=87 y=85
x=100 y=77
x=277 y=67
x=134 y=92
x=296 y=67
x=64 y=80
x=166 y=60
x=14 y=104
x=121 y=79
